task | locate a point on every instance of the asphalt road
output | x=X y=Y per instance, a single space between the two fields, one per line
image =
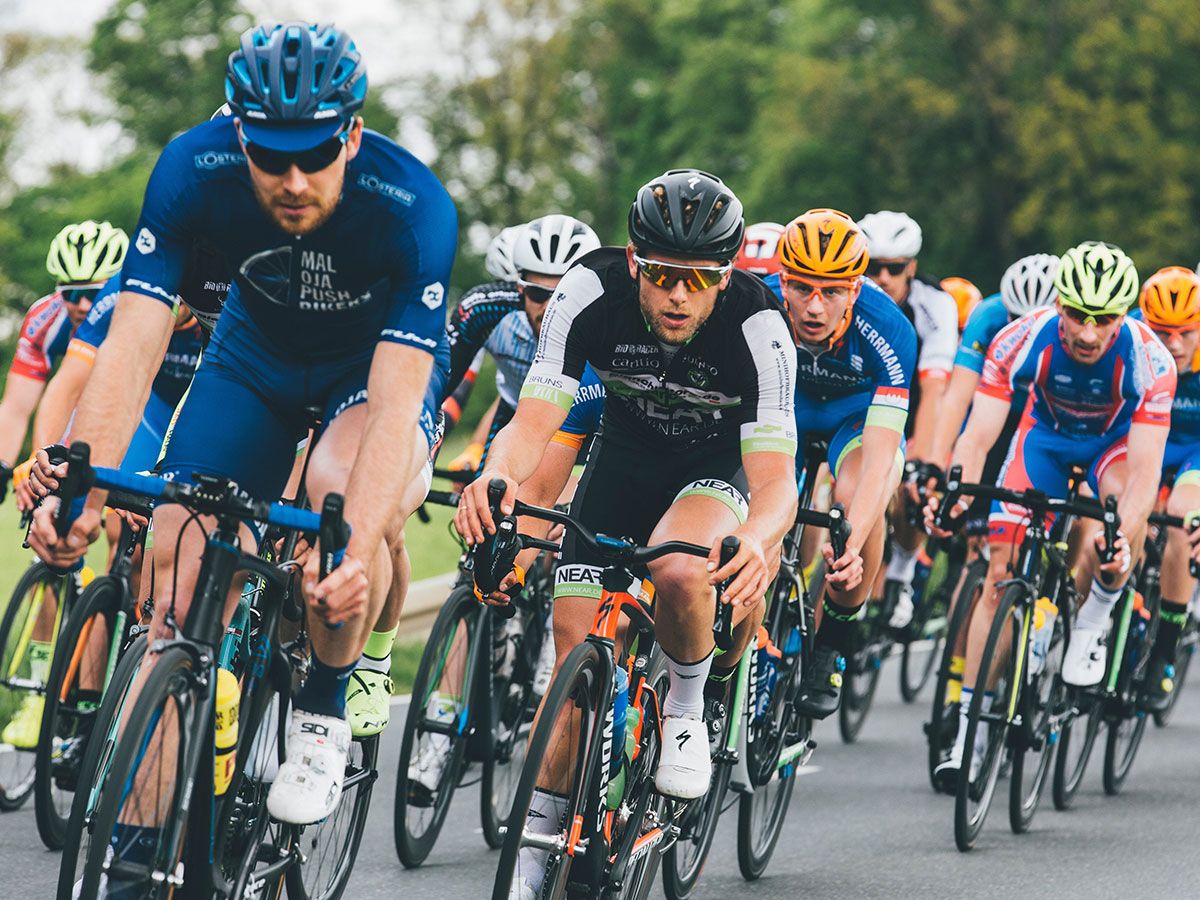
x=863 y=824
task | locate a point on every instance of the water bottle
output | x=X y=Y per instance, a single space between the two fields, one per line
x=620 y=706
x=766 y=672
x=1044 y=615
x=626 y=718
x=226 y=730
x=1139 y=623
x=920 y=577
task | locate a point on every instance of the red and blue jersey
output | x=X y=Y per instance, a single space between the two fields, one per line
x=45 y=334
x=1133 y=381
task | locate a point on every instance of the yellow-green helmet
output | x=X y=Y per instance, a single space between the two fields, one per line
x=1097 y=278
x=86 y=253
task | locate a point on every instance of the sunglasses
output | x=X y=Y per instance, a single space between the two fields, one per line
x=76 y=295
x=893 y=268
x=1083 y=317
x=694 y=278
x=314 y=159
x=535 y=293
x=803 y=289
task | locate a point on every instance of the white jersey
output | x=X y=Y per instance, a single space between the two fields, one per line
x=934 y=315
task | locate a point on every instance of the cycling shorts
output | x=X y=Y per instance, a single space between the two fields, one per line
x=1041 y=457
x=147 y=441
x=843 y=437
x=1183 y=461
x=626 y=489
x=246 y=408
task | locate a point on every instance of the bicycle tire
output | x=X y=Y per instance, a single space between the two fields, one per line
x=1183 y=661
x=167 y=683
x=17 y=775
x=461 y=610
x=915 y=674
x=967 y=821
x=577 y=684
x=939 y=732
x=60 y=723
x=1125 y=732
x=1120 y=749
x=861 y=678
x=1033 y=751
x=90 y=768
x=1068 y=770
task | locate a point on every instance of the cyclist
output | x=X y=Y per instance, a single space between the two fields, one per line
x=966 y=297
x=1170 y=305
x=759 y=255
x=1101 y=387
x=894 y=239
x=855 y=357
x=506 y=319
x=698 y=368
x=344 y=244
x=81 y=258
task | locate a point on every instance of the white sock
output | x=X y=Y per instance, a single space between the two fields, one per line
x=375 y=665
x=686 y=694
x=546 y=811
x=1094 y=613
x=902 y=565
x=964 y=708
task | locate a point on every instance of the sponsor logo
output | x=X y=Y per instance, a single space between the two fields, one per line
x=698 y=378
x=407 y=337
x=146 y=241
x=377 y=185
x=683 y=737
x=216 y=159
x=856 y=362
x=433 y=295
x=578 y=575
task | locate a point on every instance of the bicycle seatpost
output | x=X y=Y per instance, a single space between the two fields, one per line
x=723 y=624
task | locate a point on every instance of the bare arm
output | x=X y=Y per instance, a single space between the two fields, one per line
x=870 y=501
x=952 y=413
x=395 y=392
x=20 y=399
x=933 y=388
x=983 y=430
x=1146 y=445
x=543 y=489
x=62 y=395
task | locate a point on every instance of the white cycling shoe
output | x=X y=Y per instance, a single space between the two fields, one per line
x=684 y=769
x=309 y=784
x=902 y=614
x=1084 y=663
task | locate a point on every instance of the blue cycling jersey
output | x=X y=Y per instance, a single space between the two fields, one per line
x=375 y=270
x=183 y=351
x=588 y=409
x=984 y=324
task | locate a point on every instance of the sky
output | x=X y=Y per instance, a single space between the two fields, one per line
x=61 y=114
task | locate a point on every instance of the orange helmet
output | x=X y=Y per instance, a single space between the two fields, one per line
x=966 y=297
x=758 y=254
x=823 y=243
x=1171 y=298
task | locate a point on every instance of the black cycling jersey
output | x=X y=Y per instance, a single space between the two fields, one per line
x=734 y=382
x=492 y=316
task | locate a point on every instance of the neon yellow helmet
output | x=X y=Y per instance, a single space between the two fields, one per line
x=1097 y=278
x=86 y=253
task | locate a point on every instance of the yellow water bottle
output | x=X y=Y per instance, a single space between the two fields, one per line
x=226 y=730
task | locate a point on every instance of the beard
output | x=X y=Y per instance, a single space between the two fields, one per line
x=317 y=215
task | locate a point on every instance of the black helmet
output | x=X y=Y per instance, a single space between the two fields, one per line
x=686 y=212
x=303 y=79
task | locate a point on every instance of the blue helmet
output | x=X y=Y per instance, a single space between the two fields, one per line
x=294 y=85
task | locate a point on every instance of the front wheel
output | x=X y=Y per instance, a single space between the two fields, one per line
x=863 y=663
x=1120 y=749
x=1042 y=702
x=1075 y=744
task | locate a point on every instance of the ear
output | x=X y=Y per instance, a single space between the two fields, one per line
x=354 y=139
x=633 y=270
x=912 y=268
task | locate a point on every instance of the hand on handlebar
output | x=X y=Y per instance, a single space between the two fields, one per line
x=933 y=504
x=748 y=568
x=45 y=475
x=473 y=518
x=510 y=588
x=62 y=553
x=844 y=573
x=1111 y=572
x=342 y=595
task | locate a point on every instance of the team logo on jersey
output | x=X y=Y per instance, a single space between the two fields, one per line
x=215 y=159
x=433 y=295
x=377 y=185
x=146 y=241
x=698 y=377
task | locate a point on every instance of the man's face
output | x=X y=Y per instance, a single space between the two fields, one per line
x=536 y=290
x=78 y=302
x=894 y=276
x=1182 y=344
x=817 y=306
x=674 y=313
x=299 y=202
x=1087 y=337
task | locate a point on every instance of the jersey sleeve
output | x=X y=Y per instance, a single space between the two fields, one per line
x=976 y=337
x=573 y=321
x=895 y=358
x=586 y=412
x=94 y=329
x=939 y=340
x=31 y=358
x=1158 y=392
x=468 y=329
x=159 y=249
x=1005 y=353
x=423 y=256
x=768 y=418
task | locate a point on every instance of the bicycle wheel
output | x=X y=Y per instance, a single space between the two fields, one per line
x=435 y=757
x=140 y=826
x=861 y=677
x=83 y=646
x=917 y=664
x=1183 y=661
x=22 y=686
x=330 y=847
x=973 y=795
x=93 y=769
x=566 y=726
x=512 y=704
x=1041 y=705
x=943 y=719
x=1075 y=744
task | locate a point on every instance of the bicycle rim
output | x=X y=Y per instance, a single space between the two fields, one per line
x=1183 y=662
x=37 y=589
x=684 y=859
x=577 y=694
x=1120 y=749
x=943 y=719
x=1075 y=744
x=973 y=796
x=420 y=810
x=1042 y=704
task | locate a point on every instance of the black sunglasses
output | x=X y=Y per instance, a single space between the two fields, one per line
x=314 y=159
x=74 y=295
x=535 y=293
x=893 y=268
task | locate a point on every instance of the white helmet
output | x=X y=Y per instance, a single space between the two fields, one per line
x=499 y=259
x=891 y=235
x=1028 y=284
x=549 y=245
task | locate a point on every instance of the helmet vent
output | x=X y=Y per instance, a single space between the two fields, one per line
x=660 y=197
